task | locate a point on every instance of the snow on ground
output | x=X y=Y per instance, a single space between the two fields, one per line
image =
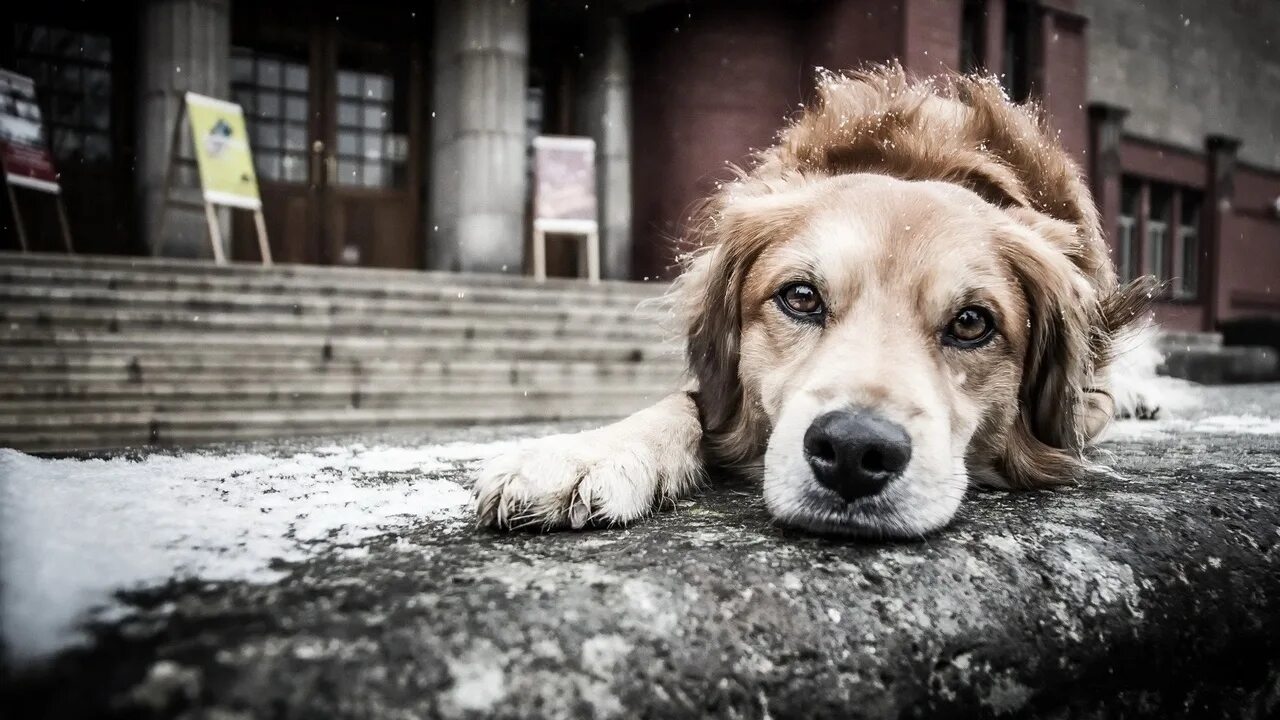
x=74 y=532
x=1212 y=425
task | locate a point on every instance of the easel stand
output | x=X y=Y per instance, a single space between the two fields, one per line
x=17 y=213
x=587 y=230
x=167 y=200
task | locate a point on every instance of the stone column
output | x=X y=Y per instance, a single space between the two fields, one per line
x=183 y=45
x=1106 y=130
x=1219 y=192
x=479 y=164
x=607 y=117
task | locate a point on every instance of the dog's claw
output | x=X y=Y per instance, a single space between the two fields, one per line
x=579 y=512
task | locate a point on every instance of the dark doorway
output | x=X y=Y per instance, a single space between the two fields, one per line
x=334 y=96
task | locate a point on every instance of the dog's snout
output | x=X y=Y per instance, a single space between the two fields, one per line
x=856 y=452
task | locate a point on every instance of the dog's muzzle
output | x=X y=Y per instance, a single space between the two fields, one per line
x=856 y=453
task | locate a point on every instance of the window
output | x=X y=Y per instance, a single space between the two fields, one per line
x=1020 y=21
x=72 y=71
x=1186 y=275
x=1130 y=193
x=973 y=35
x=275 y=95
x=1159 y=234
x=369 y=153
x=1156 y=249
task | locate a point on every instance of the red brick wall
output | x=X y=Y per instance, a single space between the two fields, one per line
x=932 y=36
x=1164 y=163
x=706 y=89
x=1250 y=250
x=845 y=34
x=1064 y=78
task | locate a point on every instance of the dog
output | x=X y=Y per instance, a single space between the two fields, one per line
x=908 y=294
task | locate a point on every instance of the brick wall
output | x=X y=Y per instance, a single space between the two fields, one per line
x=932 y=36
x=710 y=82
x=1251 y=247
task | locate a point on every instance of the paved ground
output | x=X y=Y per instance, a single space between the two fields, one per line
x=344 y=579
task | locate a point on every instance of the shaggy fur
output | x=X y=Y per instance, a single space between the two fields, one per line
x=960 y=130
x=877 y=190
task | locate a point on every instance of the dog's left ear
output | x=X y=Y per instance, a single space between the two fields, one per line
x=1055 y=416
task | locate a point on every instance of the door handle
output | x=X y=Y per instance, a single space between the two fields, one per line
x=317 y=157
x=331 y=170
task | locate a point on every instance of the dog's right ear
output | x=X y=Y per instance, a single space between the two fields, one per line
x=708 y=295
x=739 y=224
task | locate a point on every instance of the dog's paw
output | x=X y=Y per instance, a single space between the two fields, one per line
x=568 y=481
x=1142 y=409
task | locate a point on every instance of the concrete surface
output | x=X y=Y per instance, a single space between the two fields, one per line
x=1154 y=593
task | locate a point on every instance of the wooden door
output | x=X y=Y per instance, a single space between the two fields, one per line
x=333 y=96
x=371 y=193
x=274 y=62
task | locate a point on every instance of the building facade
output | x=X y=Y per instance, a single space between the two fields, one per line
x=398 y=135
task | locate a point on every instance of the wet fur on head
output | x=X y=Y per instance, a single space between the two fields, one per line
x=959 y=130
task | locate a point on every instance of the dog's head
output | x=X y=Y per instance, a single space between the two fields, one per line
x=908 y=292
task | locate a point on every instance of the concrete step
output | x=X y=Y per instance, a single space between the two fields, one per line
x=1222 y=365
x=109 y=352
x=353 y=390
x=204 y=269
x=31 y=411
x=117 y=430
x=76 y=373
x=268 y=345
x=348 y=284
x=304 y=305
x=1168 y=340
x=39 y=318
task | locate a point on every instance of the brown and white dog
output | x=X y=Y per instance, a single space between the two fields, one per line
x=909 y=293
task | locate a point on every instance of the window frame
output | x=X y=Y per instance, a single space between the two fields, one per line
x=55 y=94
x=273 y=162
x=1162 y=236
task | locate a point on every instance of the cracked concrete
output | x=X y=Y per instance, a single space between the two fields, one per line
x=1152 y=593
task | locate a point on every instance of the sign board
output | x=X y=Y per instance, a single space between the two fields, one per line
x=564 y=172
x=24 y=145
x=225 y=163
x=564 y=198
x=221 y=143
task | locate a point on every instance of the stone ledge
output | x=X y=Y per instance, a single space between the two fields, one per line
x=1154 y=594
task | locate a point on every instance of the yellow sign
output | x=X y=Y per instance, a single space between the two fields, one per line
x=222 y=152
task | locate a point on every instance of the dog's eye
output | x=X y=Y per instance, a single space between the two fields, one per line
x=971 y=327
x=801 y=301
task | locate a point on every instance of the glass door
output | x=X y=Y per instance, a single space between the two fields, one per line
x=333 y=112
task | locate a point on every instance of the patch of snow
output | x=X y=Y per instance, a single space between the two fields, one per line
x=1134 y=382
x=1213 y=425
x=479 y=682
x=1238 y=425
x=73 y=532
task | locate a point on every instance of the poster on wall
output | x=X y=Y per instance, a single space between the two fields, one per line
x=221 y=143
x=24 y=142
x=564 y=171
x=564 y=198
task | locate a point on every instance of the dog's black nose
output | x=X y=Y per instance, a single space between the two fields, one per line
x=855 y=452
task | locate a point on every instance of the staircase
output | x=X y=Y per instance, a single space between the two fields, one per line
x=1201 y=357
x=99 y=352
